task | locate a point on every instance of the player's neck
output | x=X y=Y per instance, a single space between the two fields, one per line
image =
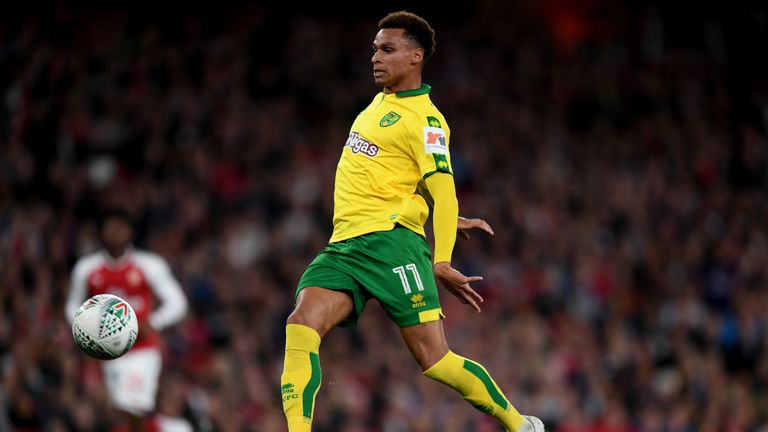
x=117 y=254
x=410 y=83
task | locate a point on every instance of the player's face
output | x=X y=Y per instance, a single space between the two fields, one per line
x=116 y=234
x=395 y=57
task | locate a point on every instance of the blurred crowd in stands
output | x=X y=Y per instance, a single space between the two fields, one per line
x=626 y=287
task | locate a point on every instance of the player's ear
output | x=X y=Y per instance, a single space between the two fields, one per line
x=417 y=56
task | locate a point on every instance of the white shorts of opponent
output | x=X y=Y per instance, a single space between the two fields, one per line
x=132 y=380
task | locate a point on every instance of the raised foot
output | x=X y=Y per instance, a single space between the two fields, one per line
x=532 y=424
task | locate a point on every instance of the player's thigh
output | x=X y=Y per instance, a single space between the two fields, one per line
x=399 y=275
x=321 y=308
x=426 y=342
x=132 y=380
x=328 y=292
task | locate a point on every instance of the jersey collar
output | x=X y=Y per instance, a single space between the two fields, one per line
x=120 y=261
x=424 y=89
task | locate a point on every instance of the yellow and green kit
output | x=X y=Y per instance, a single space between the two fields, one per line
x=378 y=249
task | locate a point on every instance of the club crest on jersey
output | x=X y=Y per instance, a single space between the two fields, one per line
x=133 y=278
x=389 y=119
x=96 y=279
x=435 y=140
x=358 y=144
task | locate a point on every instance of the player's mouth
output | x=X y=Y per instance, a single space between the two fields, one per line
x=377 y=73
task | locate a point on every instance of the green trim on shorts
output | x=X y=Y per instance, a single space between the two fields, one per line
x=393 y=267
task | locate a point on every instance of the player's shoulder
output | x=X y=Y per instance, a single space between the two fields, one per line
x=89 y=262
x=419 y=120
x=148 y=259
x=421 y=111
x=435 y=118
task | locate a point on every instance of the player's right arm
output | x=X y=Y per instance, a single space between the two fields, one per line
x=77 y=290
x=173 y=303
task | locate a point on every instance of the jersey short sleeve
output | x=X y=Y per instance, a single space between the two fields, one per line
x=430 y=145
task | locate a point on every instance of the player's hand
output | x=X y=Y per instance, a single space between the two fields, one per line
x=458 y=284
x=464 y=225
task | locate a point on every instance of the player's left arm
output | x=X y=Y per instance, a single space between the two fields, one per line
x=444 y=215
x=444 y=223
x=463 y=225
x=430 y=147
x=78 y=290
x=173 y=302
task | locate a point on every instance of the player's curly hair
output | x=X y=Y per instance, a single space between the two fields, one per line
x=120 y=213
x=416 y=28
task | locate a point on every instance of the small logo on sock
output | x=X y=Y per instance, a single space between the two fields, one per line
x=287 y=392
x=487 y=409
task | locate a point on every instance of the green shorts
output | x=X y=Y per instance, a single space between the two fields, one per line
x=394 y=267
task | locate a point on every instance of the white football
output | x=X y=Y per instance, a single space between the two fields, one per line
x=105 y=327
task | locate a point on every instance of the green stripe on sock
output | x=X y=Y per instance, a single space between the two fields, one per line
x=308 y=396
x=478 y=371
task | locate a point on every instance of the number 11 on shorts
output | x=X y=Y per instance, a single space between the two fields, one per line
x=400 y=270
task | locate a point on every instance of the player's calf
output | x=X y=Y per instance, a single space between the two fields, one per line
x=477 y=387
x=301 y=376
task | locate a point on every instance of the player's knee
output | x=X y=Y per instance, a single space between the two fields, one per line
x=297 y=317
x=428 y=359
x=300 y=317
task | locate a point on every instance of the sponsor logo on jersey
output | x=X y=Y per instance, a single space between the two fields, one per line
x=389 y=119
x=435 y=140
x=133 y=277
x=418 y=301
x=358 y=144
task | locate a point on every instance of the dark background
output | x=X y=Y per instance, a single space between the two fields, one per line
x=617 y=148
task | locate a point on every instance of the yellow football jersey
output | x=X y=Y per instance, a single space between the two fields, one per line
x=398 y=140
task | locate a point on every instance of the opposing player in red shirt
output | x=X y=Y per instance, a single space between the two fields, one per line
x=140 y=278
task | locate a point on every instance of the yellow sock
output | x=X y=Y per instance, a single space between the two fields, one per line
x=301 y=376
x=474 y=384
